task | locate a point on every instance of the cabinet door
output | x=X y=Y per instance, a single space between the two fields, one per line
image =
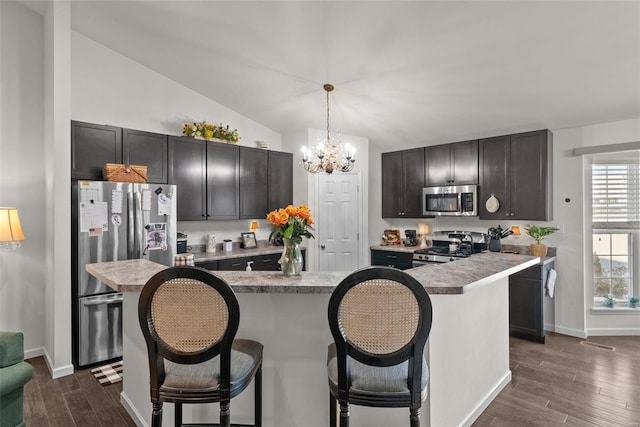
x=438 y=165
x=464 y=162
x=222 y=181
x=187 y=170
x=266 y=262
x=147 y=149
x=254 y=197
x=525 y=306
x=280 y=180
x=92 y=146
x=233 y=263
x=392 y=185
x=494 y=176
x=531 y=183
x=208 y=265
x=413 y=173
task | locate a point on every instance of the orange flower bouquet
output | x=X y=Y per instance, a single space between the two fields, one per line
x=292 y=224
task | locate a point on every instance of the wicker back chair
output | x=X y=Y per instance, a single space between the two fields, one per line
x=380 y=319
x=189 y=318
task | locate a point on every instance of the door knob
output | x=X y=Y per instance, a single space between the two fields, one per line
x=321 y=246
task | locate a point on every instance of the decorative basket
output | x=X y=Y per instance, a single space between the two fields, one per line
x=124 y=173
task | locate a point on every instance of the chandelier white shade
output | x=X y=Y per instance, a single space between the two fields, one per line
x=10 y=229
x=328 y=155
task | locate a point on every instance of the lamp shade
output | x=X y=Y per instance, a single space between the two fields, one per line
x=10 y=228
x=254 y=226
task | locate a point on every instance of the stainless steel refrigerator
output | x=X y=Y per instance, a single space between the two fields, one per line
x=113 y=221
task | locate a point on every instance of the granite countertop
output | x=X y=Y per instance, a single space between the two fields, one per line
x=395 y=248
x=236 y=253
x=449 y=278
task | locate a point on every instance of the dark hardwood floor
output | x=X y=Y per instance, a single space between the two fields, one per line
x=560 y=383
x=564 y=382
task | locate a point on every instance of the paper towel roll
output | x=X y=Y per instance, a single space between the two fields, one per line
x=551 y=282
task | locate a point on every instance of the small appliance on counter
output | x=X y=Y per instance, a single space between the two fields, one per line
x=450 y=246
x=181 y=243
x=411 y=238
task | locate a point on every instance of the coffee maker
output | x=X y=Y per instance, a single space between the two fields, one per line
x=411 y=238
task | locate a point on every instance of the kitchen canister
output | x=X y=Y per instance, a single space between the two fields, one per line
x=210 y=243
x=227 y=245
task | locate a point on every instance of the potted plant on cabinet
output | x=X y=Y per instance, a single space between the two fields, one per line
x=633 y=301
x=539 y=233
x=609 y=301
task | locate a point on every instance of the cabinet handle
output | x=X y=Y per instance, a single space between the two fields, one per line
x=321 y=246
x=391 y=257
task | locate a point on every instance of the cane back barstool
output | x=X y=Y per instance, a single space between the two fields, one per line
x=189 y=318
x=380 y=319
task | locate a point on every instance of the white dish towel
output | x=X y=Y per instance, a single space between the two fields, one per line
x=551 y=282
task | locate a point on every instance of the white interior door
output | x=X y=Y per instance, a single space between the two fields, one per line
x=338 y=222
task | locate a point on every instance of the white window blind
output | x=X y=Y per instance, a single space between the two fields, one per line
x=616 y=193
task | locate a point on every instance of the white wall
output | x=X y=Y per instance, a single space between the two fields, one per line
x=573 y=306
x=109 y=88
x=22 y=273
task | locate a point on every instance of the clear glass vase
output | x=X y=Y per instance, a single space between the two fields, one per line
x=291 y=260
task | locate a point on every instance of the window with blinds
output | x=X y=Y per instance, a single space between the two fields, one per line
x=615 y=187
x=616 y=193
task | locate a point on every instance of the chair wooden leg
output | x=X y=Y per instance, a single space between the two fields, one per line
x=344 y=414
x=333 y=416
x=258 y=398
x=156 y=416
x=178 y=414
x=225 y=416
x=414 y=417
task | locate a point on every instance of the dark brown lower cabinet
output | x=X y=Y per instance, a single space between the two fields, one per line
x=234 y=263
x=529 y=306
x=267 y=262
x=400 y=260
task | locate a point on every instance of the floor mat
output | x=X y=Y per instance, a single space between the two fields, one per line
x=108 y=374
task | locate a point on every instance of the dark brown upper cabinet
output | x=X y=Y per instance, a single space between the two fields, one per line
x=517 y=170
x=188 y=170
x=402 y=183
x=254 y=186
x=280 y=180
x=207 y=177
x=452 y=164
x=93 y=146
x=147 y=149
x=223 y=181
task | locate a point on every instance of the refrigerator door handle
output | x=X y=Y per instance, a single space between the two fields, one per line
x=130 y=226
x=138 y=245
x=102 y=301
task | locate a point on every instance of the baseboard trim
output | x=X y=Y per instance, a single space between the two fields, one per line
x=132 y=411
x=479 y=409
x=34 y=352
x=60 y=372
x=571 y=332
x=603 y=332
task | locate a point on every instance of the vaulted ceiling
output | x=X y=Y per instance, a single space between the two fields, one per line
x=406 y=72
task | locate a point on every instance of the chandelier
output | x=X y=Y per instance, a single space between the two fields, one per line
x=328 y=155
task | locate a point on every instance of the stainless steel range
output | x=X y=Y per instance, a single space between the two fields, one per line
x=450 y=246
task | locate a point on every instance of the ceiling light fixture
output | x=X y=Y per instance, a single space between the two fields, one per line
x=328 y=155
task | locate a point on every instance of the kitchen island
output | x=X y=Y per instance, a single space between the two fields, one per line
x=467 y=351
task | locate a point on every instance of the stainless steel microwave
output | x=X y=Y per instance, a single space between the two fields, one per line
x=455 y=200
